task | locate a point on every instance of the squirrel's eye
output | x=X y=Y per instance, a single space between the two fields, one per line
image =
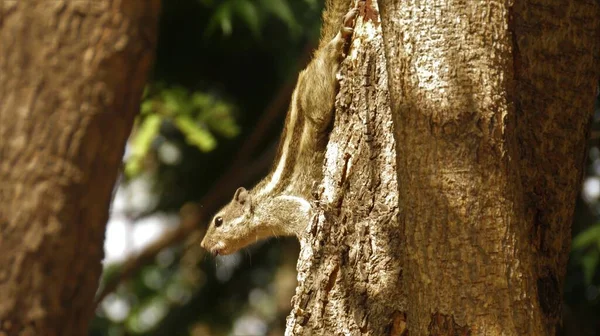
x=218 y=221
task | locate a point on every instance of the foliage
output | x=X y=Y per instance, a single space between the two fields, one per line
x=199 y=116
x=586 y=243
x=252 y=12
x=218 y=65
x=582 y=287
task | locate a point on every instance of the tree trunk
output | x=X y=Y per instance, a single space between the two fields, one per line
x=349 y=274
x=491 y=106
x=71 y=77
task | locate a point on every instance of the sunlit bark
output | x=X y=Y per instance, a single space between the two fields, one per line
x=466 y=230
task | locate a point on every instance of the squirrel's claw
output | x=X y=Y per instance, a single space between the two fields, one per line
x=348 y=23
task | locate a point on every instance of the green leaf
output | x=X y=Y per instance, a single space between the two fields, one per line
x=589 y=263
x=248 y=12
x=133 y=167
x=282 y=10
x=220 y=119
x=195 y=135
x=146 y=92
x=201 y=100
x=176 y=101
x=587 y=237
x=145 y=134
x=147 y=107
x=142 y=142
x=312 y=4
x=222 y=18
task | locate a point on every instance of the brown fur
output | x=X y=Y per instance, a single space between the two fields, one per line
x=280 y=203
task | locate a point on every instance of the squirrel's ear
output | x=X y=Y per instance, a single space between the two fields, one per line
x=241 y=195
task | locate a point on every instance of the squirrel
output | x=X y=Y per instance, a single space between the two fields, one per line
x=279 y=204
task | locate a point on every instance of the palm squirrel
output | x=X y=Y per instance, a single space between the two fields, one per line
x=279 y=204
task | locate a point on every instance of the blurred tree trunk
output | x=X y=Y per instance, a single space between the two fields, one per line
x=71 y=78
x=467 y=231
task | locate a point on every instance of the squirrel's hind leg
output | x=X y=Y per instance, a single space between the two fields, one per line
x=317 y=84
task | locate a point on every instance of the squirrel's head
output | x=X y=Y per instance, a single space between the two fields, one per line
x=230 y=229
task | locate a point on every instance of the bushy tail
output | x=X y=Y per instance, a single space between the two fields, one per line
x=332 y=19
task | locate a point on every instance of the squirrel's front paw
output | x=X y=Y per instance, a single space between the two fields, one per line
x=347 y=29
x=348 y=23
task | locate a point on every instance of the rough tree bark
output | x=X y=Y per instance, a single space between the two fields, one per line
x=71 y=76
x=491 y=103
x=349 y=271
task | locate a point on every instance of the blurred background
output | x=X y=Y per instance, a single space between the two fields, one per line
x=210 y=121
